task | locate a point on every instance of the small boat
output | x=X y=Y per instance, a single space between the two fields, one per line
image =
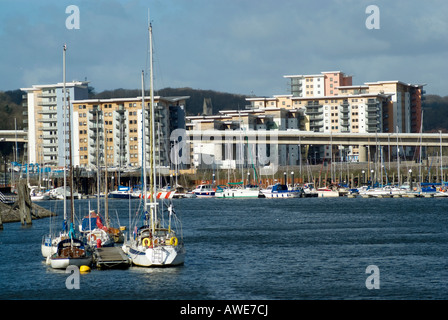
x=204 y=191
x=70 y=252
x=280 y=191
x=37 y=195
x=309 y=190
x=327 y=193
x=122 y=193
x=250 y=191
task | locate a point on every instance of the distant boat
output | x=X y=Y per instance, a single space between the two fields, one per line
x=327 y=193
x=122 y=193
x=280 y=191
x=204 y=191
x=238 y=192
x=37 y=195
x=309 y=190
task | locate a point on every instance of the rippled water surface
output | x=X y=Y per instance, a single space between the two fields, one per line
x=286 y=249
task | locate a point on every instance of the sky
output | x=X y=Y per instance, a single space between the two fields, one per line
x=236 y=46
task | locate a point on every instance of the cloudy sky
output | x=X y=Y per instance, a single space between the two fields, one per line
x=237 y=46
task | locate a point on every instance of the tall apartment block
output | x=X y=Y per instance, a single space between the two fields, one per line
x=44 y=106
x=109 y=131
x=333 y=104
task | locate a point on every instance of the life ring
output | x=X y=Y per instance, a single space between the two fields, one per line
x=173 y=241
x=92 y=236
x=146 y=242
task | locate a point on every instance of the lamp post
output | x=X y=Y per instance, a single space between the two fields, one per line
x=371 y=176
x=363 y=177
x=292 y=177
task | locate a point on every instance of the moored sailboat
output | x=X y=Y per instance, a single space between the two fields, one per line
x=157 y=242
x=70 y=250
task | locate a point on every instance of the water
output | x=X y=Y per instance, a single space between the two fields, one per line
x=259 y=249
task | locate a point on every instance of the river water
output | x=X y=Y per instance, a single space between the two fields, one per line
x=258 y=249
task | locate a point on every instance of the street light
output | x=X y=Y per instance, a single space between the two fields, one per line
x=371 y=176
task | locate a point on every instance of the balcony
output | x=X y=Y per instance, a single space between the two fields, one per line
x=313 y=110
x=316 y=124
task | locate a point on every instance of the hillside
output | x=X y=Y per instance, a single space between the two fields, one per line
x=435 y=113
x=220 y=100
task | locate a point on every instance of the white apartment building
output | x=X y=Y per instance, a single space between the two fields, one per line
x=47 y=120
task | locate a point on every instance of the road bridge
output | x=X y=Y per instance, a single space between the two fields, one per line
x=321 y=138
x=13 y=136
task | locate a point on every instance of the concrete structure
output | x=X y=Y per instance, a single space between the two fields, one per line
x=235 y=125
x=111 y=130
x=47 y=120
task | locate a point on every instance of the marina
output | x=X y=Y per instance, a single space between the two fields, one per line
x=302 y=248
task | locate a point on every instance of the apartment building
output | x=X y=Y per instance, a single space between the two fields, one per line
x=239 y=152
x=318 y=85
x=405 y=112
x=47 y=120
x=109 y=131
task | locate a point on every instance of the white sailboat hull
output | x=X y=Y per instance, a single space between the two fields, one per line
x=50 y=245
x=63 y=263
x=162 y=256
x=269 y=194
x=327 y=193
x=239 y=193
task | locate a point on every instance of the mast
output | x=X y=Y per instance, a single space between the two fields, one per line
x=72 y=197
x=65 y=133
x=398 y=159
x=143 y=142
x=152 y=135
x=106 y=189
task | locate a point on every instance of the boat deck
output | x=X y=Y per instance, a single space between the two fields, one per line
x=110 y=257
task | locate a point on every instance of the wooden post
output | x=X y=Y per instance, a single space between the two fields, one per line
x=24 y=202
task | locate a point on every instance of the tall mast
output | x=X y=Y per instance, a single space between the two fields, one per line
x=106 y=190
x=65 y=133
x=152 y=135
x=143 y=141
x=72 y=197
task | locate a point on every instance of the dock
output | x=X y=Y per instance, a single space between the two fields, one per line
x=110 y=258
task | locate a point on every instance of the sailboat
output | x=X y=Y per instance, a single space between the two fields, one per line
x=156 y=243
x=70 y=250
x=237 y=189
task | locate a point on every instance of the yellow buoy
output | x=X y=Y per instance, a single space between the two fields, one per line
x=84 y=269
